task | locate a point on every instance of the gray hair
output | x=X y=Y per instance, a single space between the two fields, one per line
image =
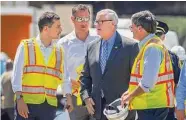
x=145 y=19
x=110 y=14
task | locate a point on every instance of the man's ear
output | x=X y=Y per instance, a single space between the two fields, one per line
x=163 y=37
x=72 y=18
x=45 y=28
x=140 y=28
x=114 y=23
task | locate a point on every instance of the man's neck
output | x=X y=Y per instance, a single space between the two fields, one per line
x=108 y=36
x=143 y=36
x=45 y=41
x=81 y=35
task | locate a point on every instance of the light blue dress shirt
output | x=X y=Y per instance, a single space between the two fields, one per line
x=19 y=64
x=152 y=60
x=110 y=44
x=181 y=89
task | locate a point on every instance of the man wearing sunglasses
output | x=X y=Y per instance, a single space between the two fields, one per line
x=107 y=67
x=75 y=45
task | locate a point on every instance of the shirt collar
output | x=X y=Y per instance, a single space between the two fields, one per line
x=38 y=40
x=75 y=37
x=145 y=40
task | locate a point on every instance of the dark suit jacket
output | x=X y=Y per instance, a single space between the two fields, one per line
x=115 y=79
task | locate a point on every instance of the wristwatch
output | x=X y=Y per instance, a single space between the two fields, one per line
x=19 y=97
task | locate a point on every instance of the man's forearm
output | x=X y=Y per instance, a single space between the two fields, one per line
x=138 y=91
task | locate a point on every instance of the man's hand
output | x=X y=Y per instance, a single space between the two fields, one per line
x=125 y=98
x=22 y=108
x=69 y=104
x=89 y=104
x=180 y=114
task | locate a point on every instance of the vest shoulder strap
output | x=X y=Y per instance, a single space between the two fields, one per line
x=58 y=56
x=31 y=50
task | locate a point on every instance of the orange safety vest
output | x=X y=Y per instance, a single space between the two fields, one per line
x=162 y=95
x=40 y=80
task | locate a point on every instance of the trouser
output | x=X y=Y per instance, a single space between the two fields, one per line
x=171 y=115
x=7 y=114
x=103 y=103
x=153 y=114
x=10 y=113
x=80 y=112
x=42 y=111
x=131 y=114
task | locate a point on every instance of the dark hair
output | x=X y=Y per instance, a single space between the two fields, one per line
x=9 y=65
x=159 y=34
x=79 y=7
x=47 y=19
x=145 y=19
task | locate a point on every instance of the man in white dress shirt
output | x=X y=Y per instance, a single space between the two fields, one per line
x=38 y=70
x=75 y=45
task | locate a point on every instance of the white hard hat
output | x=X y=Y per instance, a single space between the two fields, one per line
x=179 y=51
x=114 y=111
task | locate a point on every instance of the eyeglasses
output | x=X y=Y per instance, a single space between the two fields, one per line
x=100 y=22
x=82 y=19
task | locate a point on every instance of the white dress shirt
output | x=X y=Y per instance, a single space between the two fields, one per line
x=75 y=50
x=19 y=64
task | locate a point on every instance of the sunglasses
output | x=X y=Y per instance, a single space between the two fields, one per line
x=82 y=19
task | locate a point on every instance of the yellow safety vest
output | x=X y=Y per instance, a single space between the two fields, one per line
x=76 y=85
x=40 y=80
x=162 y=95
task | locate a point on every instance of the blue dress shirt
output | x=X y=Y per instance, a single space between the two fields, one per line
x=152 y=61
x=181 y=89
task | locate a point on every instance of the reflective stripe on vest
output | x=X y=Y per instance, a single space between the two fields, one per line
x=161 y=79
x=169 y=93
x=58 y=58
x=38 y=90
x=167 y=66
x=43 y=70
x=31 y=52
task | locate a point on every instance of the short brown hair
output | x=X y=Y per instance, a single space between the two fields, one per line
x=78 y=8
x=47 y=19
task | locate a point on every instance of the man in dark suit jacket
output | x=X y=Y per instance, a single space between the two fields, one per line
x=107 y=67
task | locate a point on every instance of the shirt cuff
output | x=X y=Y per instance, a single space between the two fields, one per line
x=145 y=89
x=84 y=95
x=16 y=88
x=180 y=106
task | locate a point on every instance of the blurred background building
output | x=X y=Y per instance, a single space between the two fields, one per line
x=19 y=18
